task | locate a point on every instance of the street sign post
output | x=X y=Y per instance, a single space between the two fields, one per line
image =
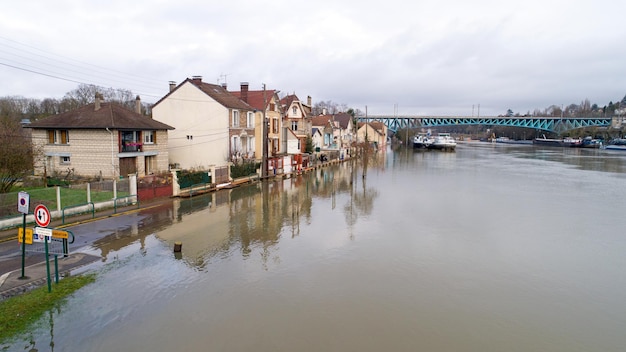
x=23 y=204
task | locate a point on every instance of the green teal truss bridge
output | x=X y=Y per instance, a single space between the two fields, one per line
x=550 y=124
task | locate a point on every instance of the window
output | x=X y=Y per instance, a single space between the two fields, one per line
x=235 y=118
x=53 y=136
x=130 y=141
x=235 y=144
x=272 y=107
x=274 y=125
x=65 y=136
x=250 y=120
x=294 y=111
x=65 y=160
x=149 y=137
x=251 y=145
x=150 y=164
x=294 y=125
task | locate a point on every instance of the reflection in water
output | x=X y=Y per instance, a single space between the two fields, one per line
x=253 y=217
x=484 y=249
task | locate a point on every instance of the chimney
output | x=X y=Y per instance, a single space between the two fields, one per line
x=244 y=91
x=196 y=79
x=138 y=105
x=97 y=103
x=308 y=100
x=225 y=86
x=172 y=86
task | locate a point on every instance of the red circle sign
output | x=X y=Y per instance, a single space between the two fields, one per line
x=42 y=215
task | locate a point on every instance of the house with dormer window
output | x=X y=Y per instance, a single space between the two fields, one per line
x=297 y=119
x=103 y=140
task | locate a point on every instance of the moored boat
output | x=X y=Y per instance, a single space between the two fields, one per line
x=443 y=141
x=555 y=142
x=421 y=141
x=589 y=142
x=616 y=144
x=507 y=140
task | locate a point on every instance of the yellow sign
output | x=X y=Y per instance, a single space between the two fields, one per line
x=59 y=234
x=29 y=235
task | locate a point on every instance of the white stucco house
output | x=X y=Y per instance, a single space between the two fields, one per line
x=212 y=126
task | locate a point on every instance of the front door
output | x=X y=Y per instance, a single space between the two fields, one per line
x=128 y=166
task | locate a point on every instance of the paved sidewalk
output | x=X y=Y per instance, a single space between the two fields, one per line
x=12 y=283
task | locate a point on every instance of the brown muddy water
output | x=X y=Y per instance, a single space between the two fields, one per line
x=489 y=248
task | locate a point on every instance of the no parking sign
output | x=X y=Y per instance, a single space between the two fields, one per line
x=23 y=199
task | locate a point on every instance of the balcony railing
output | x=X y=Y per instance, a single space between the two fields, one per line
x=130 y=147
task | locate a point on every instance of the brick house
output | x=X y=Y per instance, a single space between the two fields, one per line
x=265 y=100
x=104 y=140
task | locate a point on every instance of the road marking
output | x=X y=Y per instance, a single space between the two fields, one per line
x=3 y=278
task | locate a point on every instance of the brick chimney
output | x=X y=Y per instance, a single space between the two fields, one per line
x=308 y=100
x=138 y=105
x=98 y=101
x=172 y=86
x=196 y=79
x=244 y=91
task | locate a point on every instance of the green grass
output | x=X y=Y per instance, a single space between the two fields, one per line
x=69 y=196
x=18 y=313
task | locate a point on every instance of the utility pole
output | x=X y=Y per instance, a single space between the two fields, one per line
x=264 y=164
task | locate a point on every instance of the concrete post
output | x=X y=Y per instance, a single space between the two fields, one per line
x=175 y=185
x=132 y=186
x=58 y=199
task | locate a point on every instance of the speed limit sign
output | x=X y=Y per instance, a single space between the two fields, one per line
x=42 y=215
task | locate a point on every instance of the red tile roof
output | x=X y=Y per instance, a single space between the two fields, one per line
x=255 y=98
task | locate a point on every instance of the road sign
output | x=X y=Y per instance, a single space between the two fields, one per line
x=42 y=215
x=60 y=234
x=23 y=199
x=43 y=231
x=29 y=235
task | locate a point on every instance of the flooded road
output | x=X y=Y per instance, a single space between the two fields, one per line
x=490 y=248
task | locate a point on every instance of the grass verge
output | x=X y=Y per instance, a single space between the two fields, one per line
x=19 y=312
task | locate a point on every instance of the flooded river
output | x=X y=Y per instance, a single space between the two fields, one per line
x=489 y=248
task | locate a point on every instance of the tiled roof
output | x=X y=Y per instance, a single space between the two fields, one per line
x=215 y=91
x=255 y=97
x=110 y=115
x=321 y=120
x=221 y=95
x=344 y=119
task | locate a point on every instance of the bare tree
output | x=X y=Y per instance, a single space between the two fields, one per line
x=16 y=158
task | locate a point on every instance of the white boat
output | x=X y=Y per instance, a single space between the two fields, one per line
x=422 y=141
x=443 y=141
x=616 y=144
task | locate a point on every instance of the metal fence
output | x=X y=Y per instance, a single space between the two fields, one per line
x=64 y=197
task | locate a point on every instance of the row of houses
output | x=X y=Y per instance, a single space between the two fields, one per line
x=195 y=126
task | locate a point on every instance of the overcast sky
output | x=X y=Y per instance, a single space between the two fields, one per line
x=441 y=57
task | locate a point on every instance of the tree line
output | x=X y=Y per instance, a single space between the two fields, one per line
x=584 y=109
